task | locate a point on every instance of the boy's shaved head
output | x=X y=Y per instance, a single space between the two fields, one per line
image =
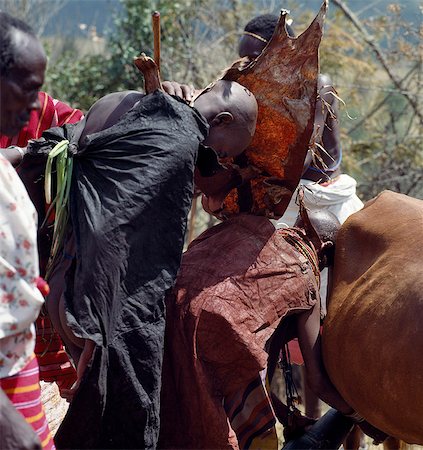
x=239 y=101
x=231 y=111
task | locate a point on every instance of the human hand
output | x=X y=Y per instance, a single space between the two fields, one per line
x=184 y=91
x=14 y=154
x=377 y=435
x=69 y=393
x=83 y=363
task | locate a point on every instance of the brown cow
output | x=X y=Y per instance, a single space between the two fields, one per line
x=373 y=335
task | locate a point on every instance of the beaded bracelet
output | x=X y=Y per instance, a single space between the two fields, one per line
x=20 y=150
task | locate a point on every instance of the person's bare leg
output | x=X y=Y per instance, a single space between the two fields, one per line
x=308 y=329
x=74 y=345
x=84 y=360
x=353 y=440
x=311 y=401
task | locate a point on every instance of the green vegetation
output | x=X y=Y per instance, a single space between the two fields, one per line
x=382 y=89
x=192 y=52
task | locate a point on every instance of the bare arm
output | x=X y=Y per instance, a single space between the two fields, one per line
x=13 y=154
x=308 y=328
x=326 y=128
x=325 y=102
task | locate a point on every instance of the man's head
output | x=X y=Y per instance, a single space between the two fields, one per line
x=231 y=111
x=257 y=33
x=322 y=228
x=22 y=67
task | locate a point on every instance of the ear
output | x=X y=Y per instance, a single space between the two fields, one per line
x=223 y=118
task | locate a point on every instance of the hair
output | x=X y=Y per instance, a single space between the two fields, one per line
x=265 y=25
x=8 y=50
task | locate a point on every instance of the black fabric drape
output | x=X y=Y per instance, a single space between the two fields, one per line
x=131 y=192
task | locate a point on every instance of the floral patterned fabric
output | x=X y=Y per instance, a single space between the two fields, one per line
x=20 y=299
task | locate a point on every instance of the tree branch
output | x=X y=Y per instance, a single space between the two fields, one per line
x=369 y=39
x=378 y=106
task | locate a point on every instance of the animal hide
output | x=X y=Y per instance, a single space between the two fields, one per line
x=373 y=335
x=284 y=81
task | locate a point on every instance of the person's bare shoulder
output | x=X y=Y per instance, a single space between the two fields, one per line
x=110 y=102
x=107 y=111
x=326 y=90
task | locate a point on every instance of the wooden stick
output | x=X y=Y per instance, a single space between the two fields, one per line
x=156 y=34
x=191 y=227
x=150 y=72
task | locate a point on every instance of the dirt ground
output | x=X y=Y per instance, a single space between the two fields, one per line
x=55 y=406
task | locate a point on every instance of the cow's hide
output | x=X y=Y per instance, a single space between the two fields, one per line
x=373 y=335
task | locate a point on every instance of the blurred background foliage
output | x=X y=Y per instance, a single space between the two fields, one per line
x=382 y=116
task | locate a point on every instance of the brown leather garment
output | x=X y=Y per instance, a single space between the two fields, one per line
x=237 y=282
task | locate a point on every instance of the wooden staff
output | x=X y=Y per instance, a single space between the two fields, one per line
x=156 y=34
x=191 y=226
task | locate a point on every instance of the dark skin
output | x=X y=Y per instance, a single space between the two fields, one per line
x=19 y=87
x=326 y=132
x=308 y=322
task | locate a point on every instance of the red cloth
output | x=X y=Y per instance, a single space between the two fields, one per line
x=236 y=283
x=23 y=390
x=52 y=113
x=51 y=355
x=295 y=352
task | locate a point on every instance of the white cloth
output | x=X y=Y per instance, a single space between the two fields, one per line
x=20 y=299
x=339 y=198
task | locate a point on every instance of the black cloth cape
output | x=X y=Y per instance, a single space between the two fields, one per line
x=131 y=193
